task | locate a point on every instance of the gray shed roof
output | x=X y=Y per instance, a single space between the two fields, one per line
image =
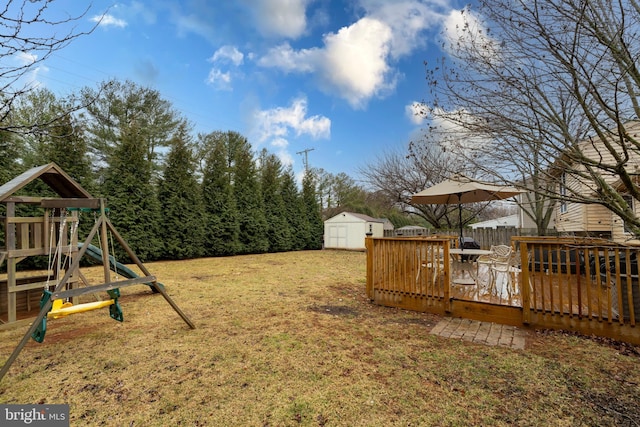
x=365 y=217
x=52 y=175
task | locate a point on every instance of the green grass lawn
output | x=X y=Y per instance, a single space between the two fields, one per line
x=290 y=339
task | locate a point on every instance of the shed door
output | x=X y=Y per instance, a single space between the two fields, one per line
x=338 y=236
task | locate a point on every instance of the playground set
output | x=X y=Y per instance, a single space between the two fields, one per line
x=53 y=234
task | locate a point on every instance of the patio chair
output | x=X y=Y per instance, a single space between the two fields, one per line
x=497 y=251
x=498 y=261
x=502 y=250
x=505 y=265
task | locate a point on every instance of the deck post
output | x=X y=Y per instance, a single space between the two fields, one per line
x=368 y=243
x=525 y=288
x=446 y=261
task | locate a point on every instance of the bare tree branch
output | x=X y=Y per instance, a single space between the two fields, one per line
x=30 y=32
x=398 y=175
x=531 y=82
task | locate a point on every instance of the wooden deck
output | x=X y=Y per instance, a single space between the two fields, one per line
x=552 y=291
x=487 y=291
x=549 y=292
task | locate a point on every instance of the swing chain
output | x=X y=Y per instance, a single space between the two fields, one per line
x=58 y=251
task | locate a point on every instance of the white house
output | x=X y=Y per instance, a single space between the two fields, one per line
x=348 y=230
x=502 y=222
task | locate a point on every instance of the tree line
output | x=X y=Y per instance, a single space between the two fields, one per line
x=170 y=194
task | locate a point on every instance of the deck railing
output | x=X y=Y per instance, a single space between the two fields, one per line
x=585 y=285
x=408 y=272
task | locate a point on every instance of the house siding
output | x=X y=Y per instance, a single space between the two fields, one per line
x=593 y=219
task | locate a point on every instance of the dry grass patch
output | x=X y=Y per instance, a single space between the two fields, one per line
x=290 y=339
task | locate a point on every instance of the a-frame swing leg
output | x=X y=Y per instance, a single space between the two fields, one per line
x=46 y=307
x=156 y=286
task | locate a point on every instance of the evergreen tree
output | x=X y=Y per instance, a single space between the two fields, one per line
x=222 y=226
x=58 y=139
x=183 y=226
x=112 y=109
x=38 y=106
x=293 y=211
x=246 y=190
x=9 y=167
x=312 y=210
x=278 y=228
x=68 y=149
x=9 y=156
x=134 y=208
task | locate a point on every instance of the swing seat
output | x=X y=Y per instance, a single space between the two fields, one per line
x=62 y=309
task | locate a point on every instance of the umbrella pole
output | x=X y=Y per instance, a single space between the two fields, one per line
x=460 y=219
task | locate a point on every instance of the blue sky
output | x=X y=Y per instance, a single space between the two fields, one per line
x=338 y=77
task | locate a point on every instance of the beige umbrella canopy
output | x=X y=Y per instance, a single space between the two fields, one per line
x=459 y=189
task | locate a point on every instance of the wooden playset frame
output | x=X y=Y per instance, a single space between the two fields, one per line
x=30 y=236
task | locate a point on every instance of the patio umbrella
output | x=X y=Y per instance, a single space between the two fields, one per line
x=459 y=189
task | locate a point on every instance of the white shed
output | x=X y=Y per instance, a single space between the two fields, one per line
x=348 y=230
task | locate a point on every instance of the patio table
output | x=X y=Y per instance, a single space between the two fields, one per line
x=463 y=267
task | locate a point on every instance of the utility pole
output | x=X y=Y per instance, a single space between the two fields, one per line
x=306 y=158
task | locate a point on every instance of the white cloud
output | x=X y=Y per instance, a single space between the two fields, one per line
x=25 y=58
x=277 y=126
x=280 y=18
x=107 y=20
x=279 y=142
x=228 y=54
x=453 y=135
x=356 y=62
x=287 y=59
x=285 y=157
x=416 y=112
x=281 y=121
x=219 y=79
x=408 y=19
x=352 y=64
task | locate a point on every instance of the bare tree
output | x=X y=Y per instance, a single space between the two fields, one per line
x=338 y=193
x=545 y=88
x=399 y=174
x=30 y=32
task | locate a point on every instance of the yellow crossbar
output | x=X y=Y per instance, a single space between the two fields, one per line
x=61 y=309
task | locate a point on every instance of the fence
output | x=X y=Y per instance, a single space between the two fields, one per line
x=485 y=236
x=584 y=285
